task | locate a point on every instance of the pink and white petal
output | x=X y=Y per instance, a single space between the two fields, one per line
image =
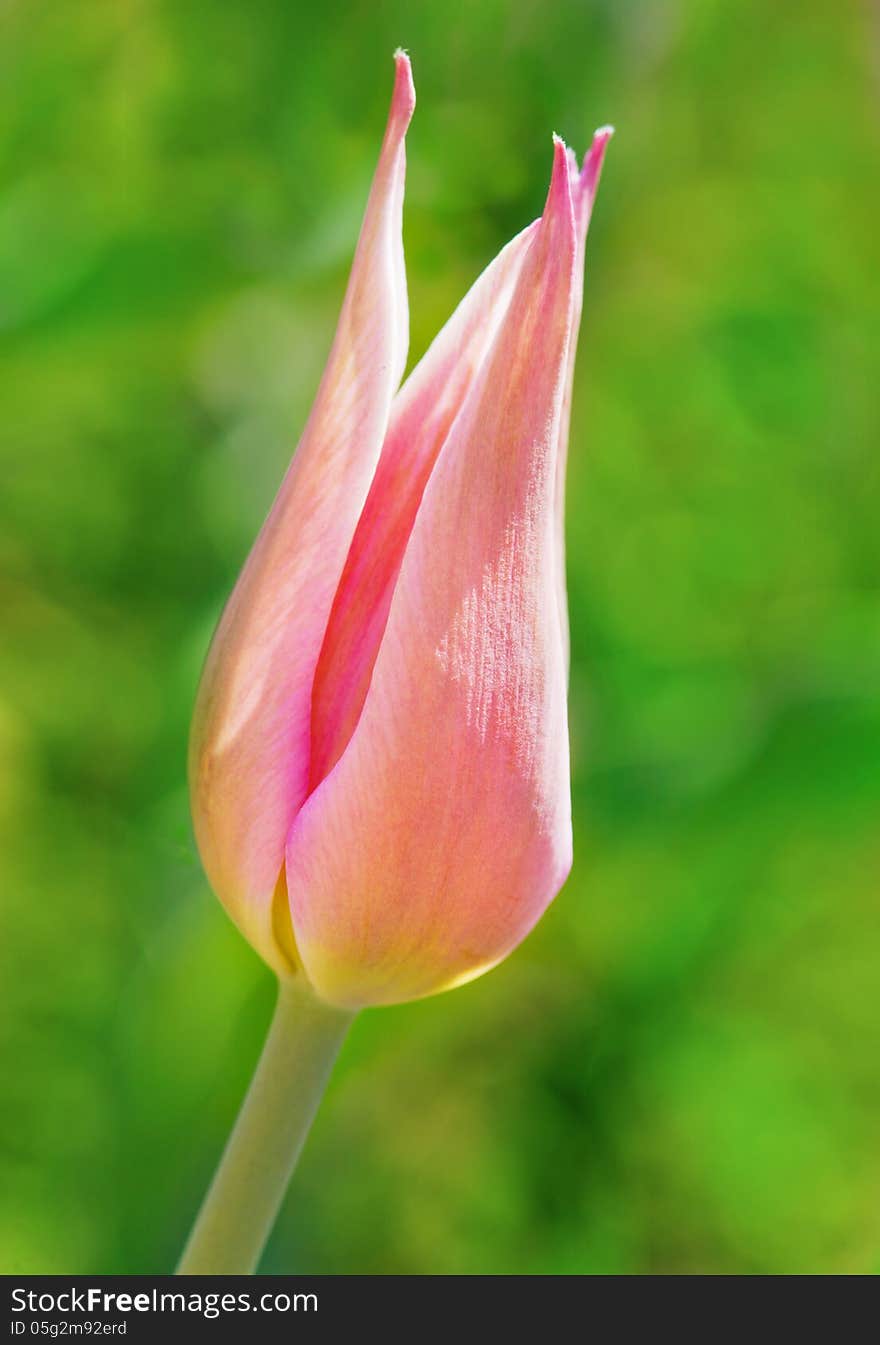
x=421 y=416
x=249 y=753
x=444 y=830
x=590 y=174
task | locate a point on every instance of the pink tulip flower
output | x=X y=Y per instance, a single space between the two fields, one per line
x=379 y=756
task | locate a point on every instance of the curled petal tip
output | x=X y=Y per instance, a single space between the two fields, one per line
x=403 y=100
x=592 y=166
x=597 y=149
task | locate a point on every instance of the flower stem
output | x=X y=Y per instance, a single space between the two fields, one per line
x=243 y=1200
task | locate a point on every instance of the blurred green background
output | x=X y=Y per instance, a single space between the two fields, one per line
x=680 y=1069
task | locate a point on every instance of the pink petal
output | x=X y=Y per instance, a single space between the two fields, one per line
x=421 y=416
x=249 y=755
x=420 y=419
x=584 y=185
x=444 y=829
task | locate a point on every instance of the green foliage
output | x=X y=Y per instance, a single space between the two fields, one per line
x=679 y=1070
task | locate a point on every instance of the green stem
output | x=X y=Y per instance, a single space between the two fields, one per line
x=240 y=1208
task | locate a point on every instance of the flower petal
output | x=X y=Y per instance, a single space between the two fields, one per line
x=421 y=416
x=249 y=754
x=584 y=185
x=444 y=829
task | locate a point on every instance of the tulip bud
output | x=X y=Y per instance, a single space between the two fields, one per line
x=379 y=757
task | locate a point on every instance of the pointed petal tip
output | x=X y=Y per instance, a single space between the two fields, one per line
x=561 y=152
x=596 y=152
x=559 y=195
x=403 y=99
x=557 y=226
x=592 y=165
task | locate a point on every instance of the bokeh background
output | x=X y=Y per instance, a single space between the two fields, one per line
x=680 y=1070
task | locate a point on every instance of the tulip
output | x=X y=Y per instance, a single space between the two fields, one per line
x=379 y=757
x=379 y=763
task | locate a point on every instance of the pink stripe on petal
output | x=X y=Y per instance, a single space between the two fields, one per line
x=249 y=753
x=444 y=829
